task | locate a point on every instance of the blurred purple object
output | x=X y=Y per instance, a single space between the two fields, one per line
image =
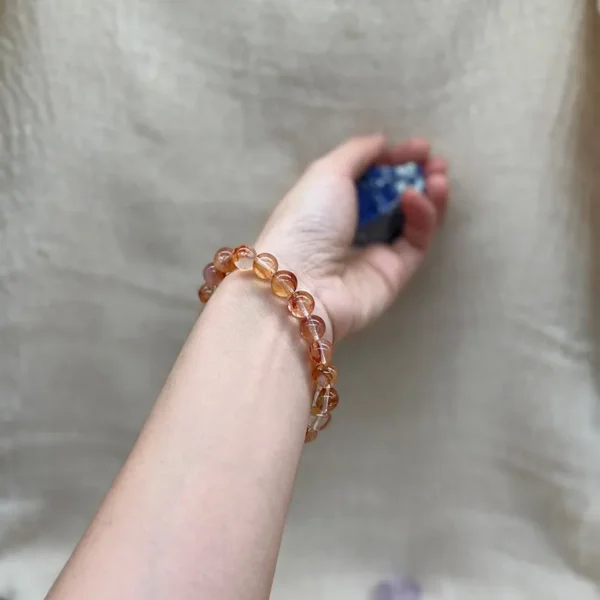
x=399 y=588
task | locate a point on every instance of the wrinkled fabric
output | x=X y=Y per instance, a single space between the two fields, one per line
x=140 y=136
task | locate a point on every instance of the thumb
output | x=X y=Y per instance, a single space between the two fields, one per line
x=354 y=156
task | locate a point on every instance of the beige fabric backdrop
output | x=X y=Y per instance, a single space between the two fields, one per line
x=140 y=135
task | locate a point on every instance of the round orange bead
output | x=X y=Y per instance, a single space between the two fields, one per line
x=265 y=266
x=284 y=284
x=310 y=435
x=321 y=351
x=205 y=292
x=301 y=304
x=327 y=399
x=223 y=262
x=312 y=328
x=325 y=375
x=318 y=420
x=243 y=258
x=212 y=276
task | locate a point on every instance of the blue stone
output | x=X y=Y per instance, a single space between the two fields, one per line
x=380 y=191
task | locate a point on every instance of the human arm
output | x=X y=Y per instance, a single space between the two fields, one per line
x=199 y=507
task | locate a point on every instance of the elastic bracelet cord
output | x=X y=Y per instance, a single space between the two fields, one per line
x=301 y=305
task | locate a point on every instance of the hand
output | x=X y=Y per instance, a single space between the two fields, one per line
x=312 y=229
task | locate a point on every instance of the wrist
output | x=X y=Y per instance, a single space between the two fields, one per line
x=242 y=292
x=255 y=340
x=306 y=283
x=245 y=266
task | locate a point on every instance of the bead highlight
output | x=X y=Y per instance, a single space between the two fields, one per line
x=321 y=352
x=223 y=262
x=301 y=304
x=318 y=420
x=312 y=328
x=211 y=275
x=327 y=400
x=243 y=258
x=205 y=292
x=325 y=375
x=284 y=284
x=265 y=266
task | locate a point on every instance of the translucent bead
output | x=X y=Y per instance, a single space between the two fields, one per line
x=325 y=375
x=310 y=435
x=212 y=276
x=312 y=328
x=205 y=292
x=327 y=400
x=265 y=266
x=301 y=304
x=222 y=260
x=318 y=420
x=243 y=258
x=284 y=284
x=321 y=351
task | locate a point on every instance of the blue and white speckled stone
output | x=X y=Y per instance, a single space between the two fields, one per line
x=380 y=192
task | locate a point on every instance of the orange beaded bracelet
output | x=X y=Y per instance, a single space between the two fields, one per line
x=301 y=305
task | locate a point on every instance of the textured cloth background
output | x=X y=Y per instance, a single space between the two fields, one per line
x=139 y=136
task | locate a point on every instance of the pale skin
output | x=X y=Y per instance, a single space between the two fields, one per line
x=199 y=507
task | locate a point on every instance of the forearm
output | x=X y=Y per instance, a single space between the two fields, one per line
x=200 y=505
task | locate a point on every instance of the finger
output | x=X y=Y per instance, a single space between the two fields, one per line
x=413 y=150
x=353 y=157
x=420 y=218
x=379 y=271
x=437 y=188
x=377 y=274
x=435 y=164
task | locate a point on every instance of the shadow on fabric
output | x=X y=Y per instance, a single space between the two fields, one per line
x=587 y=150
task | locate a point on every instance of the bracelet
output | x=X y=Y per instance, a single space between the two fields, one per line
x=301 y=305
